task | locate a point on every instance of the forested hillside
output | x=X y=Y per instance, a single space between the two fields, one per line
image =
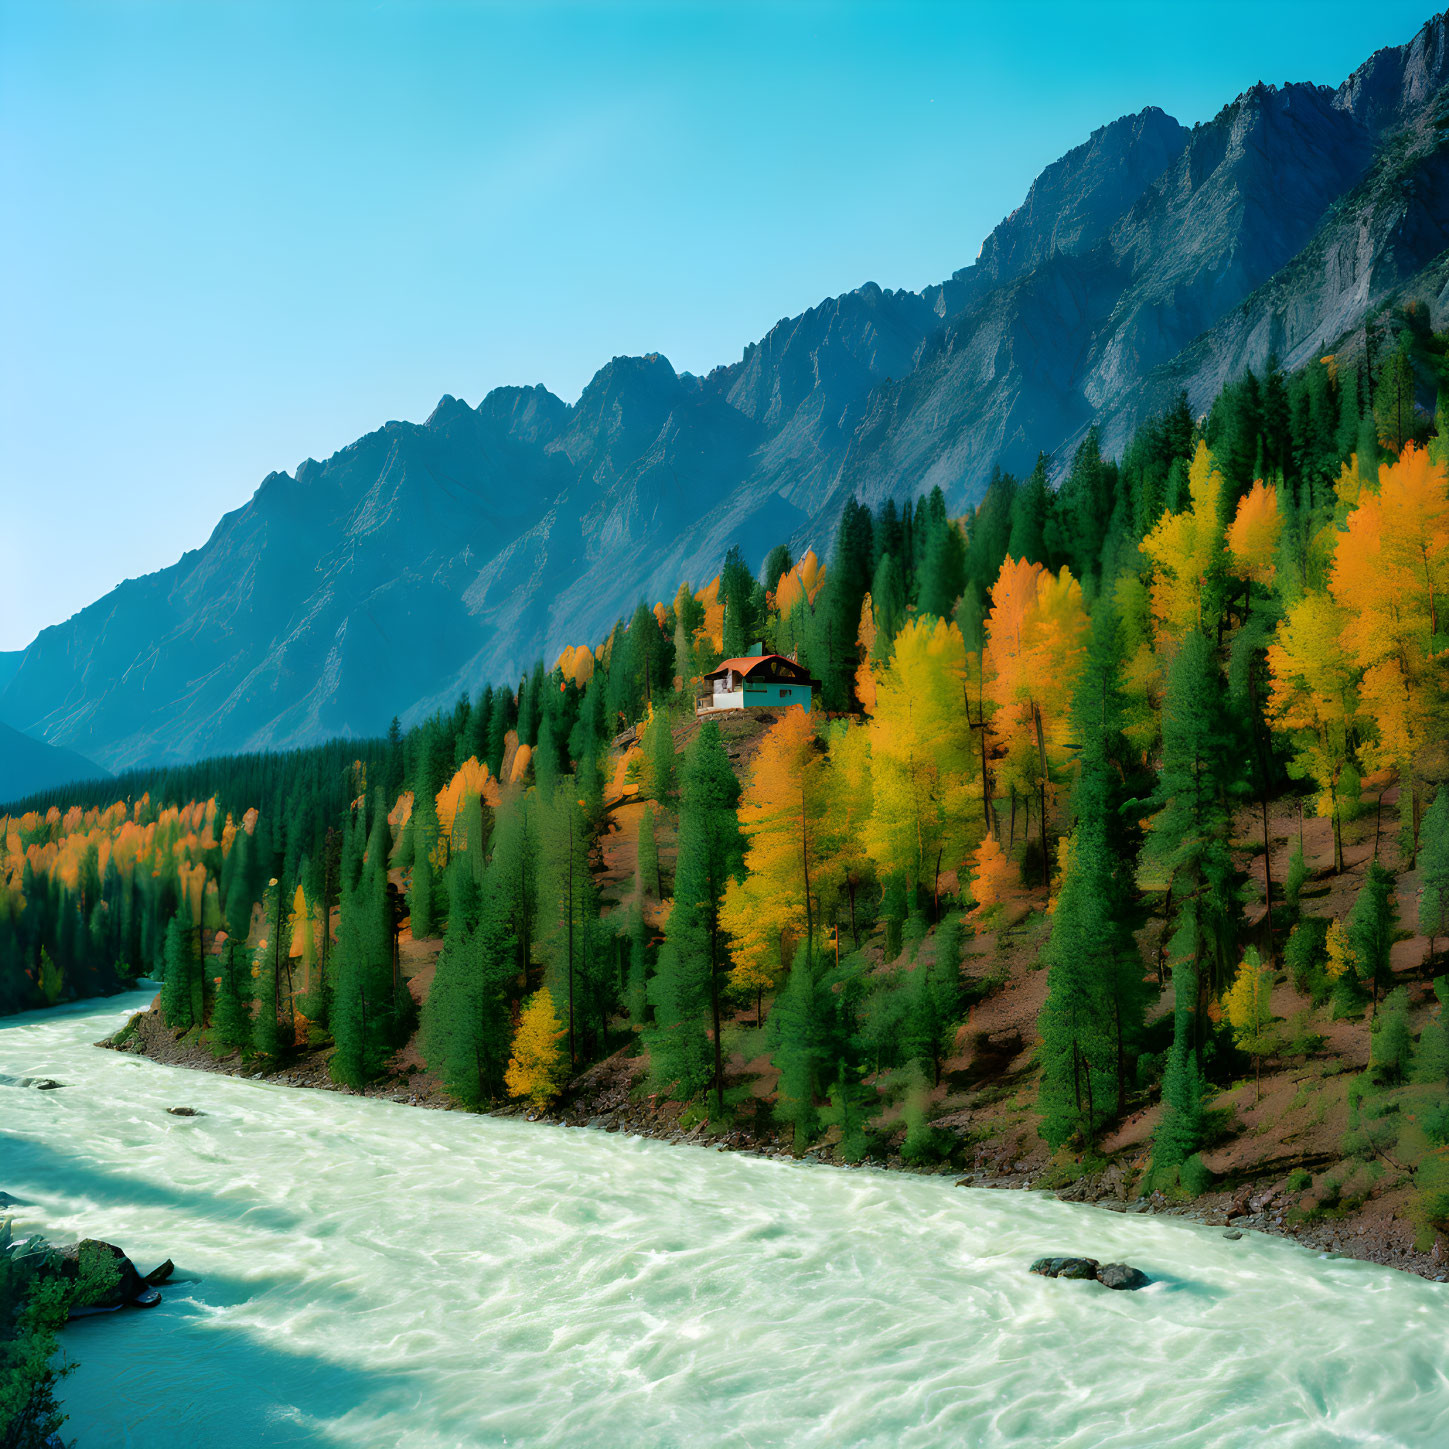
x=1158 y=758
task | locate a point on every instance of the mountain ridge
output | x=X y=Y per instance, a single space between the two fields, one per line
x=427 y=558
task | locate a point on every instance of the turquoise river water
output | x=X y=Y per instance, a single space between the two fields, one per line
x=359 y=1272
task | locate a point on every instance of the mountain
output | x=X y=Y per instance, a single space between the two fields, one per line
x=27 y=766
x=429 y=558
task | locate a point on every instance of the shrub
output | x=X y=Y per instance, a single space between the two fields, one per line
x=1195 y=1176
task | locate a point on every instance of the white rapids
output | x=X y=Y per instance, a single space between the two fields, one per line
x=357 y=1272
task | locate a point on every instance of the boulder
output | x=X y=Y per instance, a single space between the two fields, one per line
x=1121 y=1275
x=1110 y=1275
x=185 y=1112
x=1065 y=1267
x=130 y=1287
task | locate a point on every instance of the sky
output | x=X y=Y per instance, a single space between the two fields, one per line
x=238 y=235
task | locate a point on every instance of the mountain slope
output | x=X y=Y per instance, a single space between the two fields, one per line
x=429 y=558
x=27 y=766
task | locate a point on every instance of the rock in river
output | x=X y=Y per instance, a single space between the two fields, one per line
x=87 y=1256
x=1110 y=1275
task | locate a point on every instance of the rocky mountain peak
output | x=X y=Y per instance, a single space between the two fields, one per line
x=1386 y=90
x=424 y=559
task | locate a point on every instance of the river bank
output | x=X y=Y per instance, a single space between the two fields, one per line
x=608 y=1097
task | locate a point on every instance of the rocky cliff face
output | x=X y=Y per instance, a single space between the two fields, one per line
x=430 y=558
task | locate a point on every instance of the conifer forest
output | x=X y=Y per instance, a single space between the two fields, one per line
x=1169 y=737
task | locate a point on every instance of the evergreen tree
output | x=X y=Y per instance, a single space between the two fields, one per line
x=943 y=570
x=421 y=888
x=466 y=1029
x=567 y=920
x=1371 y=929
x=648 y=880
x=935 y=1001
x=659 y=757
x=685 y=991
x=1188 y=847
x=989 y=535
x=230 y=1022
x=777 y=562
x=833 y=655
x=1394 y=414
x=799 y=1048
x=1434 y=870
x=178 y=1008
x=851 y=1105
x=1031 y=516
x=364 y=1014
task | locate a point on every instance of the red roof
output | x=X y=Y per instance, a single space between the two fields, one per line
x=753 y=661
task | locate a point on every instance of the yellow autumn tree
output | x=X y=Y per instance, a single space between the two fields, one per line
x=921 y=755
x=1313 y=697
x=470 y=778
x=782 y=816
x=1390 y=576
x=1254 y=533
x=993 y=874
x=803 y=582
x=1036 y=635
x=576 y=664
x=1340 y=952
x=1186 y=551
x=538 y=1067
x=1247 y=1003
x=865 y=636
x=1141 y=680
x=710 y=633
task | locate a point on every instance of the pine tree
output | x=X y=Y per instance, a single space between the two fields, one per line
x=466 y=1028
x=798 y=1048
x=1188 y=850
x=567 y=913
x=659 y=757
x=421 y=905
x=1391 y=1042
x=1394 y=413
x=852 y=1103
x=177 y=1001
x=833 y=658
x=365 y=1014
x=685 y=991
x=935 y=1001
x=230 y=1022
x=1434 y=870
x=1371 y=929
x=943 y=571
x=648 y=881
x=1031 y=516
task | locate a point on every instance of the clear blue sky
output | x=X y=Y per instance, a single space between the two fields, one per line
x=239 y=234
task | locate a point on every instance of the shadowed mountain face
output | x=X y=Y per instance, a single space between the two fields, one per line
x=430 y=558
x=27 y=766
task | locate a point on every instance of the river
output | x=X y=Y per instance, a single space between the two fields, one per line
x=359 y=1272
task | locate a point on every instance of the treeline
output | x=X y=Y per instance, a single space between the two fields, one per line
x=92 y=874
x=1072 y=698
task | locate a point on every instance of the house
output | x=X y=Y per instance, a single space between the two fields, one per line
x=756 y=681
